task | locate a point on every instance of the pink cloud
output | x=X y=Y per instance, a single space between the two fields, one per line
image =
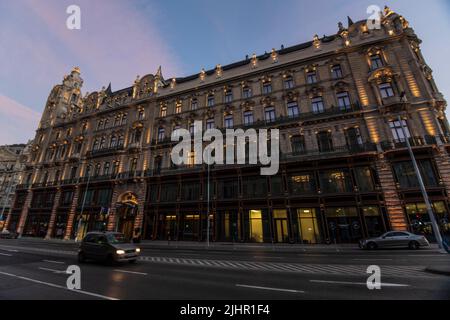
x=17 y=122
x=115 y=43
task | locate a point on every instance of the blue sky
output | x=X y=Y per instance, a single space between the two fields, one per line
x=120 y=39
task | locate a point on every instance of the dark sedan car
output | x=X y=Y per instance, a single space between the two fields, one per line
x=395 y=239
x=107 y=247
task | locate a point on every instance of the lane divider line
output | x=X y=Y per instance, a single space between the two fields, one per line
x=268 y=288
x=132 y=272
x=52 y=261
x=48 y=284
x=52 y=270
x=359 y=283
x=5 y=254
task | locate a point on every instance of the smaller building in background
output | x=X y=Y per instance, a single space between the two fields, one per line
x=12 y=163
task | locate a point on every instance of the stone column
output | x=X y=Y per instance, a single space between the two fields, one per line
x=24 y=213
x=142 y=191
x=51 y=224
x=396 y=215
x=112 y=219
x=72 y=212
x=8 y=220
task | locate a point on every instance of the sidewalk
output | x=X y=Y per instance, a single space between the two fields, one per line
x=225 y=246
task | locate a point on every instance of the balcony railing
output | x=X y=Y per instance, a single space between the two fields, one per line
x=413 y=141
x=104 y=151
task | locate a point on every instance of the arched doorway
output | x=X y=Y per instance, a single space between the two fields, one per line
x=126 y=209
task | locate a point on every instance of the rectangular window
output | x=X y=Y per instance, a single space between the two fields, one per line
x=397 y=132
x=386 y=90
x=406 y=175
x=325 y=141
x=178 y=107
x=246 y=92
x=228 y=97
x=227 y=189
x=302 y=183
x=210 y=101
x=353 y=137
x=163 y=112
x=229 y=122
x=336 y=181
x=376 y=62
x=254 y=187
x=210 y=124
x=289 y=83
x=161 y=134
x=343 y=101
x=267 y=88
x=194 y=104
x=298 y=145
x=317 y=105
x=248 y=118
x=364 y=179
x=336 y=72
x=269 y=114
x=293 y=111
x=311 y=77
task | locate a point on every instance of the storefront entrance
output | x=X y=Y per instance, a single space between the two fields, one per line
x=280 y=220
x=308 y=226
x=126 y=211
x=344 y=224
x=191 y=226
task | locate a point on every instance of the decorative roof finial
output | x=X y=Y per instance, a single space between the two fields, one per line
x=316 y=41
x=76 y=70
x=388 y=11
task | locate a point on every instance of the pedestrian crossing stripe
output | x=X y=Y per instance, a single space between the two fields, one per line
x=397 y=271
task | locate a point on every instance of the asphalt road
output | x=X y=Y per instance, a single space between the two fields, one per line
x=37 y=271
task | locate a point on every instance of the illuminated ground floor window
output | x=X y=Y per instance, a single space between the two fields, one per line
x=420 y=222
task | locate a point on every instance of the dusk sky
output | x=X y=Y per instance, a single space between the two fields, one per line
x=120 y=39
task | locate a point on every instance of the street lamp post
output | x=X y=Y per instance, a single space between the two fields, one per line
x=434 y=224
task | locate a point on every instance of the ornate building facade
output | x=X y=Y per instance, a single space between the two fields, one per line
x=101 y=161
x=12 y=164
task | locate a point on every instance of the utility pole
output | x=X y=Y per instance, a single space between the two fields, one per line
x=434 y=224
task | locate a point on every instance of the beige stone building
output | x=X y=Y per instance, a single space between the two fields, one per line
x=101 y=161
x=12 y=164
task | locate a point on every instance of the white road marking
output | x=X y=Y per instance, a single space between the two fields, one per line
x=132 y=272
x=5 y=254
x=10 y=250
x=374 y=259
x=58 y=286
x=52 y=270
x=52 y=261
x=271 y=289
x=360 y=283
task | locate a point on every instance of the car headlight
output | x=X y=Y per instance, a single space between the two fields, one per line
x=120 y=252
x=138 y=250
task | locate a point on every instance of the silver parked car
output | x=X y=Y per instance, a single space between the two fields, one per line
x=395 y=239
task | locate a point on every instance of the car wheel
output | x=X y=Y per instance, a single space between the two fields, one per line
x=132 y=261
x=372 y=246
x=414 y=245
x=81 y=257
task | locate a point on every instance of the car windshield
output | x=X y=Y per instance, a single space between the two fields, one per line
x=116 y=238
